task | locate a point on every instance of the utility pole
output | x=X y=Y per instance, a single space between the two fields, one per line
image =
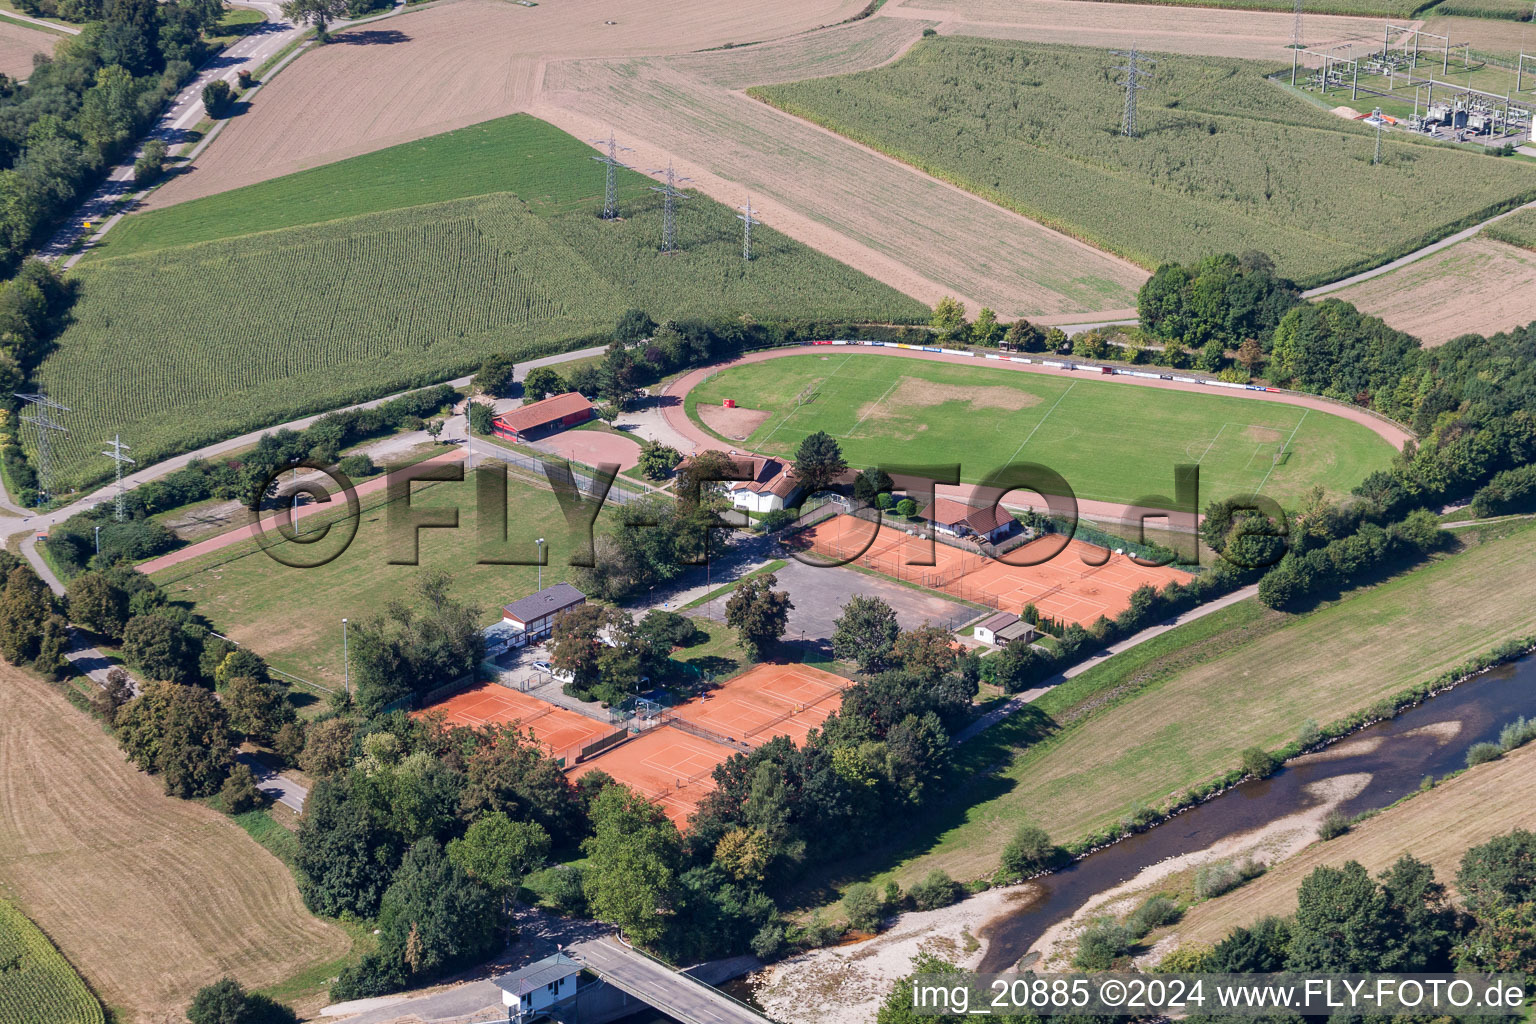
x=346 y=662
x=119 y=511
x=46 y=427
x=612 y=164
x=747 y=220
x=1296 y=42
x=670 y=193
x=1376 y=114
x=1134 y=75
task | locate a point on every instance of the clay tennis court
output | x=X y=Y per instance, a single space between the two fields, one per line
x=562 y=733
x=767 y=701
x=672 y=768
x=1066 y=587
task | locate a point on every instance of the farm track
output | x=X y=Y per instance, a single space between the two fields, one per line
x=150 y=896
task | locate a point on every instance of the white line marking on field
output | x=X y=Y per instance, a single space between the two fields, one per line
x=1283 y=447
x=872 y=408
x=790 y=415
x=1210 y=446
x=1047 y=416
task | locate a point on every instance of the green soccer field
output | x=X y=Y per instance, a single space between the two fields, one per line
x=1111 y=441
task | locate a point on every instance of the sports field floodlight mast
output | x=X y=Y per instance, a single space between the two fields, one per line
x=611 y=192
x=670 y=193
x=120 y=509
x=46 y=427
x=1134 y=75
x=747 y=220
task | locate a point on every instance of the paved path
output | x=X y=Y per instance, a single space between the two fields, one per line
x=279 y=787
x=57 y=26
x=1017 y=701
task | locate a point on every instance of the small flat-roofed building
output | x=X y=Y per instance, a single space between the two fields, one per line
x=538 y=986
x=958 y=519
x=1004 y=628
x=553 y=414
x=535 y=614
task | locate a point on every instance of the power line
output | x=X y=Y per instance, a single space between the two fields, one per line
x=670 y=193
x=747 y=220
x=46 y=427
x=120 y=510
x=1134 y=76
x=611 y=193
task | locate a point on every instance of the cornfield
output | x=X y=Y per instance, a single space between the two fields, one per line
x=178 y=347
x=37 y=985
x=1516 y=229
x=1225 y=160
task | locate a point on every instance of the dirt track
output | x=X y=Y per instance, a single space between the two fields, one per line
x=1478 y=286
x=17 y=45
x=150 y=897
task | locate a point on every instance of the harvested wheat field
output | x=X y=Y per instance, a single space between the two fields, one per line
x=452 y=65
x=1437 y=827
x=1479 y=286
x=17 y=45
x=1196 y=30
x=910 y=230
x=150 y=897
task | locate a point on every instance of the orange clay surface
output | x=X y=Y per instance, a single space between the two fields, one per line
x=672 y=768
x=768 y=701
x=562 y=733
x=1069 y=586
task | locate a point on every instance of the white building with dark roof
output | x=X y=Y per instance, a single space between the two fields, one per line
x=538 y=986
x=536 y=613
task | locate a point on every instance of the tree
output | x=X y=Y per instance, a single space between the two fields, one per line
x=1250 y=354
x=865 y=633
x=434 y=916
x=180 y=733
x=327 y=748
x=862 y=905
x=434 y=429
x=633 y=855
x=240 y=792
x=226 y=1002
x=869 y=484
x=575 y=642
x=1500 y=872
x=1023 y=336
x=482 y=418
x=1029 y=851
x=345 y=859
x=818 y=461
x=542 y=382
x=114 y=693
x=319 y=13
x=758 y=613
x=499 y=853
x=241 y=661
x=657 y=460
x=24 y=607
x=288 y=742
x=150 y=164
x=1345 y=922
x=986 y=330
x=217 y=93
x=496 y=376
x=98 y=605
x=634 y=326
x=52 y=647
x=906 y=508
x=159 y=647
x=257 y=709
x=927 y=652
x=949 y=319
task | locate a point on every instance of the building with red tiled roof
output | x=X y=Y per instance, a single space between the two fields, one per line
x=960 y=520
x=553 y=414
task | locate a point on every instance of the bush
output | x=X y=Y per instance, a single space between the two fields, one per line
x=482 y=418
x=935 y=891
x=1157 y=911
x=1310 y=734
x=1223 y=876
x=1259 y=763
x=1103 y=942
x=906 y=507
x=226 y=1002
x=776 y=520
x=1517 y=734
x=862 y=905
x=1029 y=852
x=819 y=932
x=373 y=975
x=239 y=793
x=246 y=78
x=358 y=465
x=1482 y=753
x=216 y=96
x=884 y=501
x=768 y=943
x=150 y=164
x=560 y=888
x=1334 y=825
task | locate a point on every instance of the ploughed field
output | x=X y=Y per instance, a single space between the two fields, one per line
x=1110 y=441
x=1225 y=160
x=200 y=325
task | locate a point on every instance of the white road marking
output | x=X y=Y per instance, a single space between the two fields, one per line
x=1047 y=416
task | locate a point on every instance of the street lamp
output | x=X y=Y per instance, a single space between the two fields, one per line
x=98 y=540
x=540 y=543
x=346 y=663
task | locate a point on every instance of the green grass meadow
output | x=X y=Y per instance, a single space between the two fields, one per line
x=1225 y=160
x=1111 y=441
x=197 y=322
x=37 y=985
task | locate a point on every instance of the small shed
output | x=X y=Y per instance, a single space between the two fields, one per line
x=1004 y=628
x=538 y=986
